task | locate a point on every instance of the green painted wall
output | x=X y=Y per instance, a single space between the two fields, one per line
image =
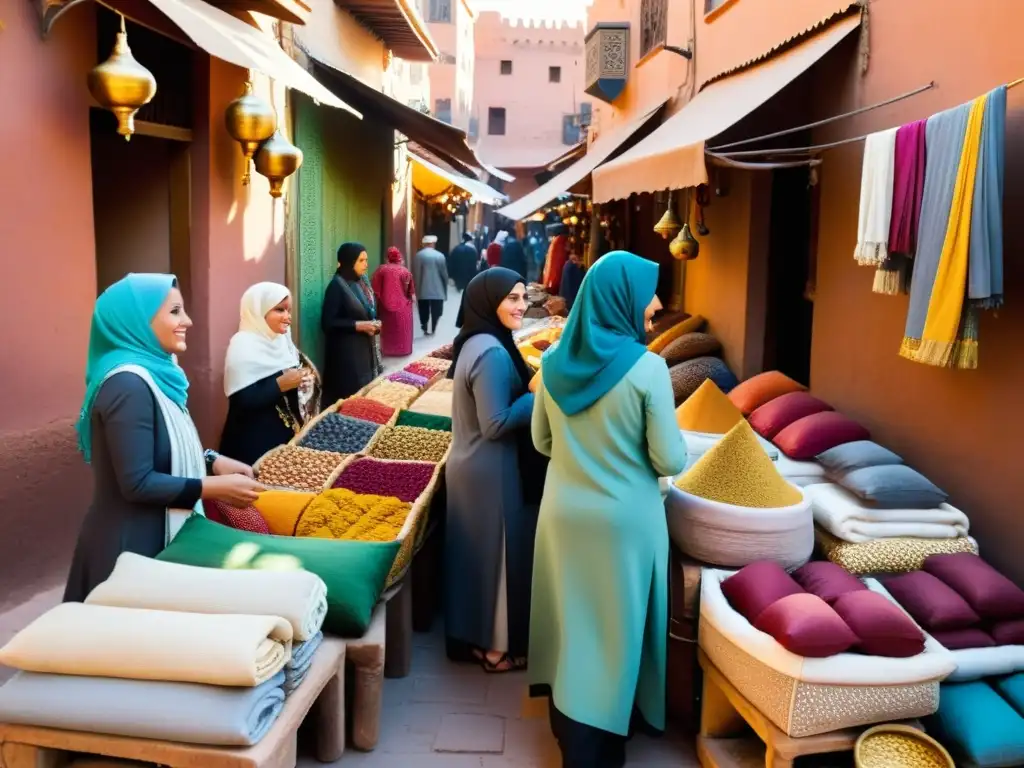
x=343 y=186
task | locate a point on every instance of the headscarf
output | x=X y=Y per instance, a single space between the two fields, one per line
x=604 y=336
x=501 y=237
x=121 y=335
x=392 y=283
x=348 y=255
x=478 y=315
x=394 y=255
x=256 y=351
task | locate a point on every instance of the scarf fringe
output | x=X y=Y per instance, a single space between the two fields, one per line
x=888 y=282
x=959 y=355
x=871 y=254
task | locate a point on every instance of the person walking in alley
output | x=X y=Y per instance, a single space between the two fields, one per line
x=495 y=248
x=604 y=414
x=352 y=357
x=430 y=273
x=513 y=256
x=393 y=287
x=273 y=389
x=148 y=465
x=572 y=279
x=463 y=262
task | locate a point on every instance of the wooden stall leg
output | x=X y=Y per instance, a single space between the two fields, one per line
x=367 y=703
x=718 y=717
x=398 y=651
x=330 y=719
x=14 y=755
x=773 y=759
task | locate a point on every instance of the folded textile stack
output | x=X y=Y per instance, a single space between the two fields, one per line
x=298 y=665
x=982 y=723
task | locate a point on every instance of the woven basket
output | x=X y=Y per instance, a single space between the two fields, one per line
x=273 y=451
x=415 y=526
x=313 y=422
x=899 y=746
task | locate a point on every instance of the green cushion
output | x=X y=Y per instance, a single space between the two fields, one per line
x=979 y=726
x=425 y=420
x=354 y=571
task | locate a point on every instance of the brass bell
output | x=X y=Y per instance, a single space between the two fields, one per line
x=684 y=246
x=668 y=224
x=121 y=84
x=250 y=121
x=277 y=159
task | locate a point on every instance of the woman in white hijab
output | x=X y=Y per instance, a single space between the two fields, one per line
x=272 y=388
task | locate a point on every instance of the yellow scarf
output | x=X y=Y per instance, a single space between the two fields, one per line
x=944 y=341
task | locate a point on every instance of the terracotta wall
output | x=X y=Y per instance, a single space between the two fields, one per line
x=336 y=38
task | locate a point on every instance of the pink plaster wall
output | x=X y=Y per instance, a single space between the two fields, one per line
x=454 y=81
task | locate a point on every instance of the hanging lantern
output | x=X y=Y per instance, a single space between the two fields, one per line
x=250 y=121
x=121 y=84
x=685 y=245
x=277 y=159
x=668 y=224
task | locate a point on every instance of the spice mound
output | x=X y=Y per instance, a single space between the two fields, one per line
x=443 y=353
x=304 y=469
x=412 y=444
x=737 y=471
x=428 y=367
x=341 y=434
x=708 y=409
x=393 y=393
x=367 y=410
x=405 y=480
x=404 y=377
x=342 y=514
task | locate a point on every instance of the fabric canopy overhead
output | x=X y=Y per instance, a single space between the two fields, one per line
x=232 y=40
x=398 y=24
x=497 y=173
x=672 y=157
x=446 y=141
x=605 y=146
x=431 y=180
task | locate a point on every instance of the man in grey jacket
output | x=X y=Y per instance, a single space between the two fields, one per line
x=430 y=273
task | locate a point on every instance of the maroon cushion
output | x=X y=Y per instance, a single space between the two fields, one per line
x=247 y=519
x=932 y=604
x=960 y=639
x=1008 y=632
x=775 y=415
x=827 y=580
x=807 y=437
x=807 y=626
x=756 y=586
x=882 y=629
x=212 y=511
x=986 y=590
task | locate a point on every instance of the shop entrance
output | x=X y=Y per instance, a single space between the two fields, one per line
x=789 y=314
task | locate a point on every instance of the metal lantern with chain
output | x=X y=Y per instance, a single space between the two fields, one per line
x=250 y=121
x=668 y=224
x=121 y=84
x=277 y=159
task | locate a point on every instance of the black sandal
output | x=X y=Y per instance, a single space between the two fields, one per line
x=514 y=664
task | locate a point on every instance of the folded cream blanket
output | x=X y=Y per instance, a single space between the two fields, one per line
x=843 y=515
x=138 y=644
x=299 y=597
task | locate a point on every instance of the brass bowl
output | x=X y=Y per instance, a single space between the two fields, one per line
x=899 y=746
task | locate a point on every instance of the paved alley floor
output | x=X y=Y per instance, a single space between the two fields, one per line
x=424 y=345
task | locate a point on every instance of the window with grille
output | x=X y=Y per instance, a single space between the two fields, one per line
x=506 y=66
x=443 y=110
x=653 y=24
x=440 y=12
x=554 y=74
x=496 y=121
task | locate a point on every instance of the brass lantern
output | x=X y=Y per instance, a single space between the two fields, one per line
x=277 y=159
x=250 y=121
x=685 y=246
x=668 y=224
x=122 y=85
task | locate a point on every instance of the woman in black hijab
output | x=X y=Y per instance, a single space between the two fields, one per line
x=490 y=525
x=349 y=319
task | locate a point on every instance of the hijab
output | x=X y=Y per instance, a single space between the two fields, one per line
x=394 y=255
x=478 y=315
x=256 y=352
x=121 y=335
x=604 y=336
x=348 y=255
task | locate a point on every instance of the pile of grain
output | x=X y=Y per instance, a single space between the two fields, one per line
x=708 y=410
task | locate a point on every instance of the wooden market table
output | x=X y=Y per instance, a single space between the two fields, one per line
x=726 y=715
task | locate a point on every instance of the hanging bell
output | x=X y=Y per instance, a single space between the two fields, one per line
x=277 y=159
x=121 y=84
x=668 y=224
x=684 y=246
x=250 y=121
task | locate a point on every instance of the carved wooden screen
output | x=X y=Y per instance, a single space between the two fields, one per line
x=653 y=24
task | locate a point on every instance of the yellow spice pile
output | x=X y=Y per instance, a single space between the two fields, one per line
x=342 y=514
x=737 y=471
x=708 y=410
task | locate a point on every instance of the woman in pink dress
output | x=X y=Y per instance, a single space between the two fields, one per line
x=393 y=284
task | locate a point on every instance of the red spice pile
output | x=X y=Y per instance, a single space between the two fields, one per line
x=404 y=480
x=419 y=369
x=443 y=353
x=367 y=410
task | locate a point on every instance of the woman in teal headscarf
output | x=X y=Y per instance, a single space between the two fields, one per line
x=604 y=413
x=149 y=468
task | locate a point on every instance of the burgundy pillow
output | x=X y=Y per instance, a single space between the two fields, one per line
x=807 y=626
x=882 y=629
x=1008 y=632
x=248 y=519
x=212 y=511
x=827 y=580
x=934 y=605
x=775 y=415
x=807 y=437
x=756 y=586
x=961 y=639
x=985 y=589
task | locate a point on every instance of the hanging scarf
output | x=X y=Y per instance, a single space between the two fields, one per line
x=949 y=335
x=604 y=336
x=908 y=187
x=985 y=285
x=256 y=352
x=121 y=335
x=876 y=180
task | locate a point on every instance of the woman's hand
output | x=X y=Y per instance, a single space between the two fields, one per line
x=290 y=379
x=367 y=326
x=535 y=382
x=236 y=490
x=223 y=465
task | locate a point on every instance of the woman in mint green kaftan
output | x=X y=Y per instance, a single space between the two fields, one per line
x=605 y=415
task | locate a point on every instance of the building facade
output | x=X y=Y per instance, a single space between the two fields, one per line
x=451 y=24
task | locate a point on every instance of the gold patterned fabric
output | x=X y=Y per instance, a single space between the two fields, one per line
x=896 y=555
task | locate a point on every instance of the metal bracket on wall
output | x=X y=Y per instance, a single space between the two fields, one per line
x=51 y=10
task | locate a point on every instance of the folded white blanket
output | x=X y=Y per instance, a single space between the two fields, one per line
x=144 y=709
x=844 y=516
x=299 y=597
x=137 y=644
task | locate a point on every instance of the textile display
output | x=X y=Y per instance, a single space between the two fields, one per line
x=857 y=455
x=144 y=709
x=762 y=388
x=962 y=639
x=881 y=628
x=978 y=726
x=807 y=437
x=139 y=644
x=800 y=473
x=806 y=625
x=344 y=515
x=298 y=666
x=775 y=415
x=299 y=597
x=1008 y=632
x=826 y=580
x=981 y=663
x=281 y=509
x=991 y=594
x=932 y=604
x=756 y=586
x=708 y=410
x=893 y=275
x=894 y=486
x=246 y=519
x=890 y=555
x=876 y=188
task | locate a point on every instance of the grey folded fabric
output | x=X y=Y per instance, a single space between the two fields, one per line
x=302 y=653
x=184 y=712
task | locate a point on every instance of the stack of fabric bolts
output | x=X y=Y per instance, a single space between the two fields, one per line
x=165 y=651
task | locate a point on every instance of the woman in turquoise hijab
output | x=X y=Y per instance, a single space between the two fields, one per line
x=149 y=468
x=604 y=413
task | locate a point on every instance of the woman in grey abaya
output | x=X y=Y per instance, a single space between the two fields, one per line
x=490 y=530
